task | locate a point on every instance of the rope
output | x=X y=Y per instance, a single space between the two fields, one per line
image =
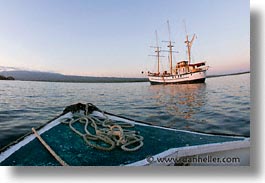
x=49 y=148
x=106 y=134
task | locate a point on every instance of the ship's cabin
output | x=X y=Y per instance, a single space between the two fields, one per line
x=184 y=67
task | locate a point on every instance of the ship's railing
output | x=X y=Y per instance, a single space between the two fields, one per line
x=204 y=68
x=153 y=74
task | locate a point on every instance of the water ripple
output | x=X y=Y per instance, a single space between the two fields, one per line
x=221 y=105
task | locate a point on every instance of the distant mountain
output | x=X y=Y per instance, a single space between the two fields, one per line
x=56 y=77
x=6 y=78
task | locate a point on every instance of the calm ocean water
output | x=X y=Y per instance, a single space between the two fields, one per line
x=221 y=105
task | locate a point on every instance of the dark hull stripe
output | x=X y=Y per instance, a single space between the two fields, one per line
x=202 y=80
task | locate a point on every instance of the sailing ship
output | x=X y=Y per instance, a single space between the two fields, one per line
x=184 y=71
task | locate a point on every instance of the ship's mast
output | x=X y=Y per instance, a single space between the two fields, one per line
x=170 y=49
x=157 y=50
x=170 y=46
x=189 y=43
x=158 y=53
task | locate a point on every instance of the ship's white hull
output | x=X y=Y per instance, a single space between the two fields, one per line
x=197 y=77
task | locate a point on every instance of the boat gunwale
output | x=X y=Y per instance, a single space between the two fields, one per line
x=168 y=128
x=28 y=135
x=201 y=149
x=128 y=120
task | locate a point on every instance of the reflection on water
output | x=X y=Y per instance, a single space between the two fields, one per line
x=180 y=100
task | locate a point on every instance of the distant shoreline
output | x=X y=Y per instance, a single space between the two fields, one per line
x=123 y=80
x=232 y=74
x=84 y=79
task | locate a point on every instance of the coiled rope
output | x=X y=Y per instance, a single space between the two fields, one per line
x=106 y=134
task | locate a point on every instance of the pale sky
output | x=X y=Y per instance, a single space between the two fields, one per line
x=113 y=37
